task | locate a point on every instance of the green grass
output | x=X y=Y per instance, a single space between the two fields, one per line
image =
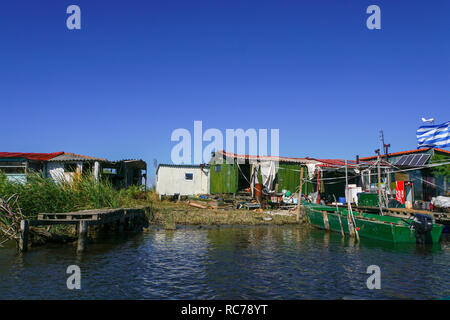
x=43 y=195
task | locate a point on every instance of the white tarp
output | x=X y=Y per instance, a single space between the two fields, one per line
x=311 y=170
x=441 y=202
x=268 y=174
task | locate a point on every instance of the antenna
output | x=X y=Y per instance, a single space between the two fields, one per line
x=381 y=137
x=385 y=147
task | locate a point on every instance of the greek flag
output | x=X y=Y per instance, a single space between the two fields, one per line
x=436 y=136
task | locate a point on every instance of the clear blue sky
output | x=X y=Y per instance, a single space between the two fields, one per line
x=137 y=70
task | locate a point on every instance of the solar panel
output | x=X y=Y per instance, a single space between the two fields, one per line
x=401 y=161
x=412 y=160
x=409 y=160
x=423 y=160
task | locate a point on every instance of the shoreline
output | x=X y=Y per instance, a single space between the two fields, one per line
x=168 y=215
x=181 y=213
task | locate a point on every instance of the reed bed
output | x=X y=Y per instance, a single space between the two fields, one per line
x=38 y=194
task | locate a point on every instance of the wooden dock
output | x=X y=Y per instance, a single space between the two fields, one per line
x=124 y=218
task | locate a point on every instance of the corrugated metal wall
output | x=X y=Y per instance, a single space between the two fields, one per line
x=223 y=178
x=289 y=178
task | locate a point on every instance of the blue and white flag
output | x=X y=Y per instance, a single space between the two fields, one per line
x=436 y=136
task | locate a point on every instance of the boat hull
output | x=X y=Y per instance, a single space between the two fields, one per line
x=383 y=228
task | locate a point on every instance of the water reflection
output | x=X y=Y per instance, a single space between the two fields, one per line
x=228 y=263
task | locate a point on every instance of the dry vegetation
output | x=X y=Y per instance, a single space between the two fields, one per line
x=169 y=213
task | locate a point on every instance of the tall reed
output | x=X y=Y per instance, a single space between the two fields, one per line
x=40 y=194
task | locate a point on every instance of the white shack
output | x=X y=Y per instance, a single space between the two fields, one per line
x=184 y=180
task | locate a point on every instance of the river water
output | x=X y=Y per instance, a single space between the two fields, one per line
x=286 y=262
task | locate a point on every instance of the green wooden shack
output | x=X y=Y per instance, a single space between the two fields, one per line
x=230 y=178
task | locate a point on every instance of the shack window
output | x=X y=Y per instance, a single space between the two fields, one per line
x=70 y=167
x=217 y=168
x=189 y=176
x=12 y=167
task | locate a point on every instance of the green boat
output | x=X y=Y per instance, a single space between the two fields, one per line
x=420 y=229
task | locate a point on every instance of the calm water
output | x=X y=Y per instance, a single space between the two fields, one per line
x=228 y=263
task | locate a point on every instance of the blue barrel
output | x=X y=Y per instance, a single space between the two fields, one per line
x=341 y=199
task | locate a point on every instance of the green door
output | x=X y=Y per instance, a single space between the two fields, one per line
x=223 y=178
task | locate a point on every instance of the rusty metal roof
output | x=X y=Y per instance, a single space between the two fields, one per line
x=67 y=156
x=266 y=158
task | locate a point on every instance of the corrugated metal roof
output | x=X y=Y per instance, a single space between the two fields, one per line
x=336 y=163
x=30 y=156
x=340 y=163
x=266 y=158
x=139 y=162
x=67 y=156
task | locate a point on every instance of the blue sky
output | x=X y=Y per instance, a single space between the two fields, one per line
x=137 y=70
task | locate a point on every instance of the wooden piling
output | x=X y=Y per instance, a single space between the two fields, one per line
x=23 y=241
x=131 y=222
x=326 y=223
x=351 y=227
x=299 y=197
x=121 y=224
x=82 y=236
x=380 y=201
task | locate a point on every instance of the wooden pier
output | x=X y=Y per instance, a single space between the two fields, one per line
x=124 y=218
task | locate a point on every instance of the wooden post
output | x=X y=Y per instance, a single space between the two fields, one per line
x=379 y=182
x=23 y=241
x=339 y=216
x=326 y=223
x=131 y=222
x=82 y=236
x=340 y=223
x=96 y=170
x=318 y=187
x=351 y=229
x=299 y=198
x=121 y=224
